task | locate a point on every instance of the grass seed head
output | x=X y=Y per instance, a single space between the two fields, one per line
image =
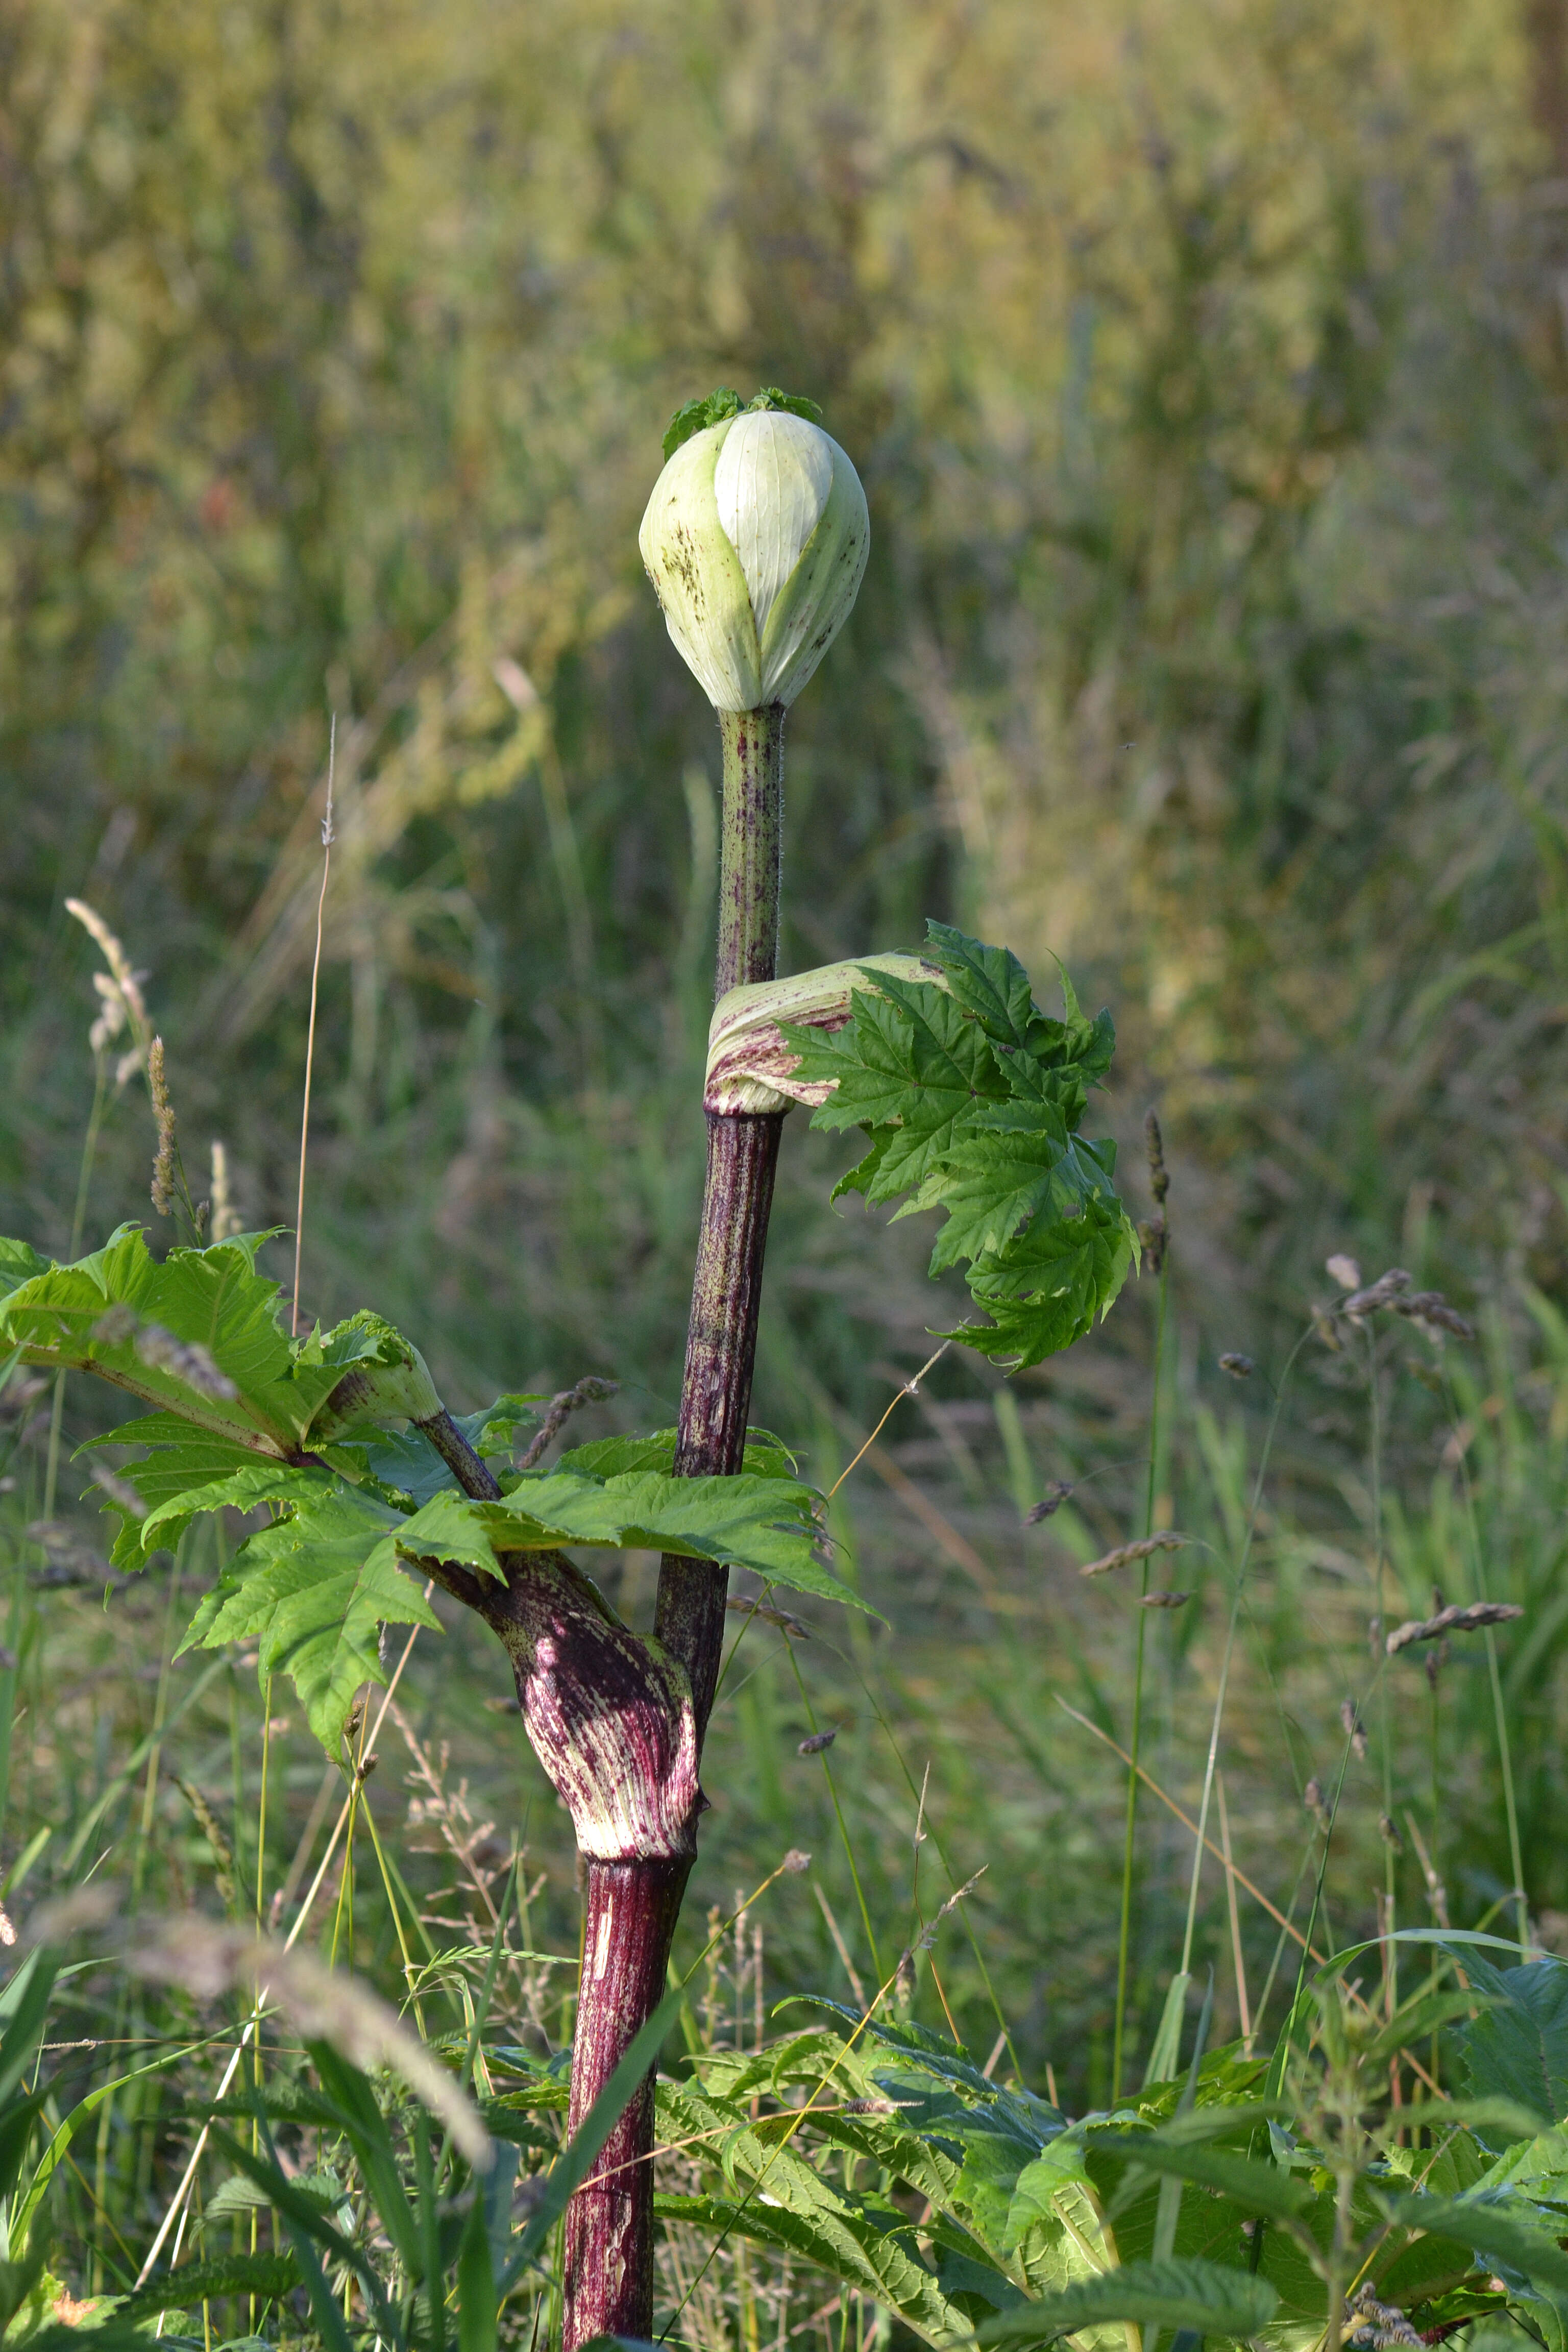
x=1453 y=1620
x=1159 y=1174
x=590 y=1390
x=1322 y=1321
x=1165 y=1540
x=119 y=991
x=321 y=2005
x=786 y=1622
x=1381 y=1293
x=119 y=1490
x=1056 y=1495
x=163 y=1112
x=186 y=1359
x=1431 y=1313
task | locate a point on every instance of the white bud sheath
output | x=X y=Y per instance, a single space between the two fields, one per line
x=751 y=1067
x=770 y=482
x=755 y=540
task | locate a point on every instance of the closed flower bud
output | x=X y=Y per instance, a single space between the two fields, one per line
x=755 y=540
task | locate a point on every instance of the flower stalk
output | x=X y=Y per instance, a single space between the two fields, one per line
x=632 y=1905
x=756 y=538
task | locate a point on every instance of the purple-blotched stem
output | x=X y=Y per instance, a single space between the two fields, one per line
x=632 y=1906
x=742 y=1153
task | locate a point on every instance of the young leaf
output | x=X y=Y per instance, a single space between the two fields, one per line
x=383 y=1377
x=971 y=1098
x=1051 y=1285
x=993 y=984
x=493 y=1430
x=1018 y=1167
x=696 y=416
x=989 y=982
x=910 y=1060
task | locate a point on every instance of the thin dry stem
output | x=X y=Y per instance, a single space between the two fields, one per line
x=327 y=839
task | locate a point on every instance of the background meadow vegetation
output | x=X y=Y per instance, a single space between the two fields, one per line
x=1206 y=365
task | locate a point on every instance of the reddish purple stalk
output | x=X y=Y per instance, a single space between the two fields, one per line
x=617 y=1721
x=634 y=1902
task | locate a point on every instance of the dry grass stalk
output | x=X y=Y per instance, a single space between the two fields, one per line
x=207 y=1960
x=328 y=837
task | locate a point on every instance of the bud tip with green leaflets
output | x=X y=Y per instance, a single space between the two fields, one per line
x=755 y=540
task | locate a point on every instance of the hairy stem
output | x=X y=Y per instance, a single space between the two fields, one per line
x=629 y=1913
x=751 y=848
x=716 y=1394
x=742 y=1153
x=474 y=1475
x=632 y=1905
x=617 y=1720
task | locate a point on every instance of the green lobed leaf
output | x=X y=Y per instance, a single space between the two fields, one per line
x=493 y=1429
x=19 y=1262
x=312 y=1591
x=268 y=2275
x=766 y=1456
x=1018 y=1167
x=795 y=403
x=1209 y=2298
x=993 y=984
x=1497 y=2225
x=1052 y=1285
x=962 y=2140
x=239 y=1490
x=865 y=2241
x=1257 y=2188
x=1516 y=2048
x=909 y=1058
x=181 y=1459
x=211 y=1300
x=971 y=1100
x=764 y=1523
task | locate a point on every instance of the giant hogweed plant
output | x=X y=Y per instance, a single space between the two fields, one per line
x=972 y=1100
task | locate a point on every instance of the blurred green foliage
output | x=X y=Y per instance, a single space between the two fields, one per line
x=1206 y=381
